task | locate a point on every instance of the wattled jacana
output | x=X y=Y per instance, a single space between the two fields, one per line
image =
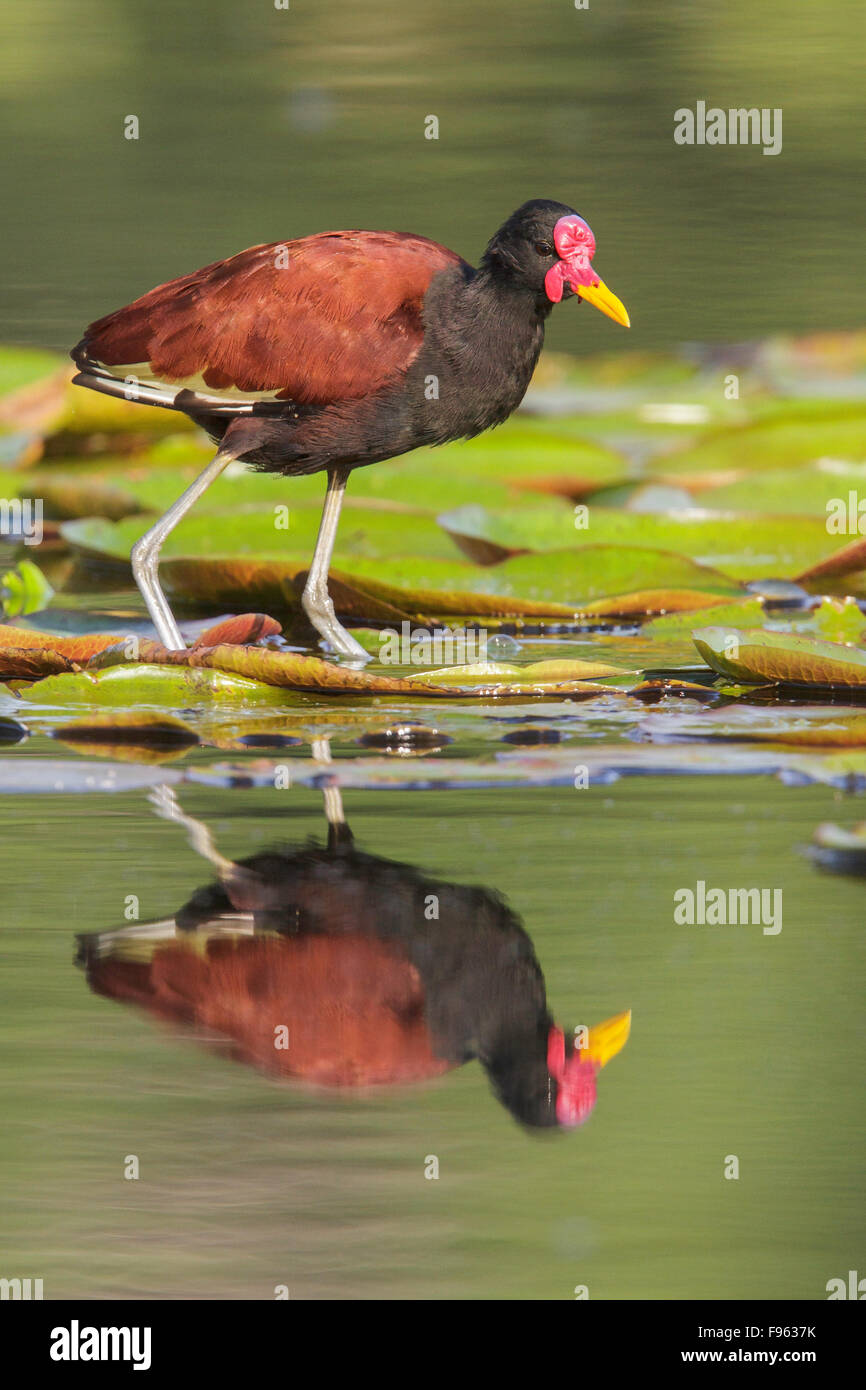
x=339 y=350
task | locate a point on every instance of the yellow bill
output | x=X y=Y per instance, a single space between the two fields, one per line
x=600 y=297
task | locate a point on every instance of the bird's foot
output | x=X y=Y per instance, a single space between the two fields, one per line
x=335 y=639
x=349 y=652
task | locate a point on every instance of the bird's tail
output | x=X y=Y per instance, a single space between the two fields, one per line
x=97 y=377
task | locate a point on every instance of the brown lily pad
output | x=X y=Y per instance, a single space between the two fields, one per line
x=243 y=630
x=27 y=655
x=849 y=560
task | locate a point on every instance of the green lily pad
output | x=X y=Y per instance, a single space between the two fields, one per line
x=24 y=590
x=778 y=442
x=556 y=586
x=744 y=547
x=259 y=533
x=487 y=673
x=802 y=491
x=744 y=612
x=21 y=366
x=839 y=620
x=529 y=454
x=762 y=658
x=70 y=490
x=149 y=686
x=566 y=576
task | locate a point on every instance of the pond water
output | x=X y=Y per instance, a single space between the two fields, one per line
x=742 y=1045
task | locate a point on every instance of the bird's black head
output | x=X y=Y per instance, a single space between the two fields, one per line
x=547 y=248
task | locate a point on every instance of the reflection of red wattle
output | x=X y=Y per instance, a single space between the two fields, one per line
x=575 y=1081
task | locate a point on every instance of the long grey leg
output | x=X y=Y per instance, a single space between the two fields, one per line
x=145 y=554
x=315 y=599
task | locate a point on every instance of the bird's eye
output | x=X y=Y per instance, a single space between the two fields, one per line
x=544 y=248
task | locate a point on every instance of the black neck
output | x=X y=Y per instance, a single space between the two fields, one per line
x=496 y=281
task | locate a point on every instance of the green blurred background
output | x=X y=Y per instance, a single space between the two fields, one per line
x=260 y=124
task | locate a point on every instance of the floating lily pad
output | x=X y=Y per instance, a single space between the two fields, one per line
x=744 y=612
x=743 y=547
x=312 y=674
x=391 y=590
x=647 y=601
x=786 y=440
x=150 y=686
x=256 y=533
x=559 y=582
x=276 y=584
x=25 y=653
x=762 y=658
x=24 y=589
x=839 y=620
x=802 y=491
x=850 y=559
x=535 y=674
x=530 y=455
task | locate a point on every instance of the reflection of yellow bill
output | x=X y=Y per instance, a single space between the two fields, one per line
x=600 y=297
x=607 y=1039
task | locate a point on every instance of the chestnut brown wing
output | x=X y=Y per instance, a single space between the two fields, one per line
x=325 y=318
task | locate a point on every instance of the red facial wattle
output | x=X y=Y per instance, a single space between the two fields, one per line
x=575 y=246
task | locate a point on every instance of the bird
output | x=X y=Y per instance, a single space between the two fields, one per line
x=339 y=350
x=328 y=965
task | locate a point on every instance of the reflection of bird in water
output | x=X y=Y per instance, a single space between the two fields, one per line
x=343 y=969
